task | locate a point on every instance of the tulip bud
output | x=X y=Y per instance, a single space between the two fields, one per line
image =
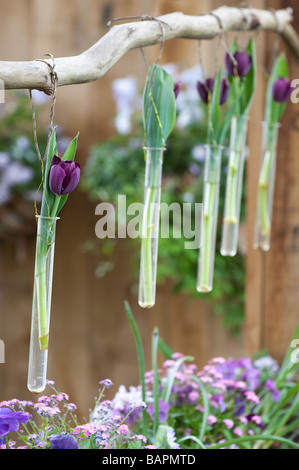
x=282 y=90
x=205 y=90
x=177 y=88
x=238 y=64
x=64 y=176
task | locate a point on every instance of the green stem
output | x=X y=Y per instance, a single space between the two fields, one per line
x=234 y=172
x=264 y=186
x=141 y=361
x=146 y=247
x=207 y=248
x=155 y=341
x=55 y=206
x=240 y=440
x=150 y=228
x=41 y=281
x=44 y=241
x=211 y=189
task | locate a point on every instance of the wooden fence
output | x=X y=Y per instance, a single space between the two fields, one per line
x=90 y=336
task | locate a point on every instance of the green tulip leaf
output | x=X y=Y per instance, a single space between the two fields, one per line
x=159 y=110
x=214 y=125
x=48 y=196
x=70 y=152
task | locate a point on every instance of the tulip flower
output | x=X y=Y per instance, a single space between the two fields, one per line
x=177 y=88
x=64 y=176
x=60 y=177
x=238 y=64
x=282 y=90
x=205 y=90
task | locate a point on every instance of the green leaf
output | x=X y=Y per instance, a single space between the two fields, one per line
x=88 y=444
x=249 y=80
x=70 y=152
x=165 y=349
x=155 y=340
x=48 y=196
x=214 y=125
x=159 y=110
x=161 y=437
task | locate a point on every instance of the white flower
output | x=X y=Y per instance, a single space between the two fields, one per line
x=39 y=97
x=127 y=100
x=126 y=397
x=199 y=153
x=171 y=438
x=4 y=159
x=16 y=173
x=266 y=362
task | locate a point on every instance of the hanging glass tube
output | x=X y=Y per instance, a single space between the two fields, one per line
x=234 y=186
x=41 y=307
x=150 y=226
x=266 y=186
x=212 y=171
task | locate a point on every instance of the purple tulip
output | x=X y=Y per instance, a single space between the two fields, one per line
x=64 y=176
x=238 y=64
x=282 y=90
x=177 y=88
x=205 y=89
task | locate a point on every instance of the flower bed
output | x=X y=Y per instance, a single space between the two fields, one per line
x=228 y=404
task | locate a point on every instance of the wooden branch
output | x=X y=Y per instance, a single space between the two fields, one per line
x=98 y=59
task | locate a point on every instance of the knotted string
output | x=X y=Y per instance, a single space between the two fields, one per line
x=54 y=79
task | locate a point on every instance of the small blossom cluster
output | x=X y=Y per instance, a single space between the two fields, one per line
x=56 y=426
x=232 y=387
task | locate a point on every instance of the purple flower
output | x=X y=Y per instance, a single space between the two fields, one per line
x=238 y=64
x=106 y=382
x=10 y=420
x=205 y=90
x=220 y=401
x=177 y=88
x=282 y=90
x=228 y=369
x=270 y=385
x=64 y=442
x=251 y=374
x=163 y=410
x=64 y=176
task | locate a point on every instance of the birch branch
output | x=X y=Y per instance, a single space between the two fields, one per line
x=98 y=59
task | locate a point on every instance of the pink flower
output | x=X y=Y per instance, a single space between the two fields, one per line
x=139 y=437
x=238 y=431
x=212 y=420
x=122 y=429
x=251 y=396
x=200 y=408
x=256 y=419
x=243 y=420
x=62 y=396
x=228 y=423
x=218 y=360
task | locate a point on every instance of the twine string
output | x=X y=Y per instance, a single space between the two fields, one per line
x=54 y=79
